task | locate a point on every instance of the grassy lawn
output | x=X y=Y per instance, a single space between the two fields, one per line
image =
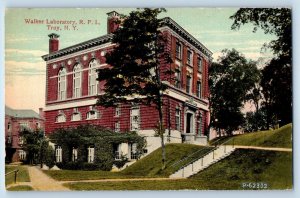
x=23 y=175
x=280 y=138
x=270 y=167
x=20 y=188
x=142 y=168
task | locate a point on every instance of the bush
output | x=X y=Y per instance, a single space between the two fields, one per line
x=101 y=139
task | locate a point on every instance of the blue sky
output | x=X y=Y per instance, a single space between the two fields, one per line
x=26 y=43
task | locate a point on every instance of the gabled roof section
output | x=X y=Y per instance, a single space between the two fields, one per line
x=167 y=21
x=21 y=113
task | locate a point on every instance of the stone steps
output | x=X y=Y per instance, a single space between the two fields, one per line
x=214 y=156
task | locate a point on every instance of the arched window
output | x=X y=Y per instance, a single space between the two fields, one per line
x=77 y=81
x=92 y=113
x=93 y=83
x=61 y=118
x=76 y=116
x=62 y=84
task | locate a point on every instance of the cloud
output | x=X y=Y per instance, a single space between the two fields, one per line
x=19 y=39
x=38 y=53
x=22 y=68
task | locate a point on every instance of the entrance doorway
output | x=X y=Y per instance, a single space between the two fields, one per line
x=189 y=122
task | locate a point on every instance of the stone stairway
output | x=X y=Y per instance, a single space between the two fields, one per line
x=212 y=157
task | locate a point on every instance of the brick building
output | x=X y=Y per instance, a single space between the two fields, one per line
x=72 y=89
x=15 y=121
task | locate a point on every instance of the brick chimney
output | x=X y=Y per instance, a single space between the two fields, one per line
x=112 y=17
x=42 y=113
x=53 y=42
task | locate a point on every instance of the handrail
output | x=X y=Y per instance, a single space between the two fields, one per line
x=202 y=156
x=16 y=173
x=187 y=157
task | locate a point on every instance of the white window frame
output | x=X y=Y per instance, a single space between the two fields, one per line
x=117 y=126
x=21 y=140
x=133 y=154
x=118 y=153
x=199 y=89
x=62 y=84
x=60 y=118
x=91 y=154
x=24 y=125
x=135 y=119
x=188 y=88
x=178 y=78
x=178 y=119
x=199 y=62
x=77 y=79
x=58 y=154
x=118 y=111
x=22 y=155
x=74 y=154
x=178 y=52
x=73 y=118
x=189 y=57
x=93 y=83
x=92 y=116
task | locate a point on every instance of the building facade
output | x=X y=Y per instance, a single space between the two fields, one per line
x=72 y=89
x=17 y=120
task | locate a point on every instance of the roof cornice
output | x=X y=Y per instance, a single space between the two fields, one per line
x=167 y=21
x=78 y=47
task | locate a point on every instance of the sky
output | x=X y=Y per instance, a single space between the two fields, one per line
x=25 y=43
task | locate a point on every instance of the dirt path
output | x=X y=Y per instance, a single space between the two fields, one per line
x=42 y=182
x=264 y=148
x=125 y=179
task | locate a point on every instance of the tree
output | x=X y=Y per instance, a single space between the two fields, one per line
x=136 y=59
x=34 y=143
x=231 y=79
x=277 y=75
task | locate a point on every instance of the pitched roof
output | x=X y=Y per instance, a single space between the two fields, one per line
x=21 y=113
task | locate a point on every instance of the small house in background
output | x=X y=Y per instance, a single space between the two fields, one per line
x=72 y=89
x=17 y=120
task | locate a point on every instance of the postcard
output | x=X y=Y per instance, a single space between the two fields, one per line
x=148 y=99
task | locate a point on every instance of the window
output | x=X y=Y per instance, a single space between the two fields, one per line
x=38 y=125
x=117 y=126
x=135 y=118
x=93 y=83
x=74 y=154
x=178 y=50
x=178 y=79
x=91 y=154
x=118 y=111
x=133 y=151
x=9 y=126
x=76 y=116
x=20 y=140
x=188 y=84
x=190 y=57
x=117 y=151
x=200 y=125
x=91 y=115
x=199 y=62
x=61 y=118
x=77 y=81
x=22 y=154
x=177 y=119
x=23 y=125
x=62 y=84
x=58 y=154
x=198 y=89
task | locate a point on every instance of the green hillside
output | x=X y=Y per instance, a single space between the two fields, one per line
x=263 y=170
x=280 y=138
x=150 y=166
